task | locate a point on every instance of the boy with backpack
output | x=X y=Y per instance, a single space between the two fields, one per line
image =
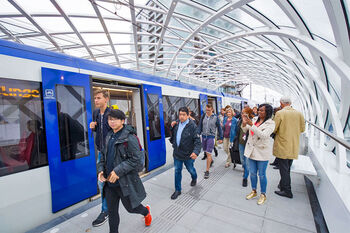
x=118 y=168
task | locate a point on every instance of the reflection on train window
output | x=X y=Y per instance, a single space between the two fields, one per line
x=72 y=123
x=171 y=105
x=153 y=116
x=22 y=133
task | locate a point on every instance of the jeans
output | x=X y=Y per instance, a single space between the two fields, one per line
x=100 y=186
x=256 y=166
x=113 y=195
x=178 y=164
x=244 y=161
x=284 y=167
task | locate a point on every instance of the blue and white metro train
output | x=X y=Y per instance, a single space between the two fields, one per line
x=47 y=151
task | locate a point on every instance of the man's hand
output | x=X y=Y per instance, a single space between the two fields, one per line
x=101 y=178
x=173 y=123
x=93 y=125
x=193 y=156
x=220 y=141
x=112 y=178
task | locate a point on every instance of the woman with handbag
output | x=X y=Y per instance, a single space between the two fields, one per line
x=229 y=129
x=258 y=149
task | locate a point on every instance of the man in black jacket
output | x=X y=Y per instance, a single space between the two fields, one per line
x=187 y=146
x=117 y=168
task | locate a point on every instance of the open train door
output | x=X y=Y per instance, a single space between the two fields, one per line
x=153 y=126
x=218 y=105
x=203 y=101
x=70 y=145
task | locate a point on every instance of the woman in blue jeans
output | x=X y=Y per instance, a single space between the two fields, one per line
x=258 y=148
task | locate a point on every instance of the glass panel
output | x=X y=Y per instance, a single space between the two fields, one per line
x=22 y=132
x=190 y=11
x=272 y=11
x=347 y=8
x=72 y=123
x=215 y=5
x=223 y=24
x=245 y=18
x=317 y=23
x=334 y=83
x=153 y=116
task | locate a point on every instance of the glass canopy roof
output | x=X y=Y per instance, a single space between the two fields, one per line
x=296 y=47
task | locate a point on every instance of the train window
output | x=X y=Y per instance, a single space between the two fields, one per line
x=171 y=105
x=22 y=133
x=72 y=123
x=153 y=116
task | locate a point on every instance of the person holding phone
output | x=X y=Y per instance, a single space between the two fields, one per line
x=258 y=149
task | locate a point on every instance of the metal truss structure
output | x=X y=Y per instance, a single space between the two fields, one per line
x=296 y=47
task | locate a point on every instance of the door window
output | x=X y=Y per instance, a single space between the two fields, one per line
x=72 y=123
x=153 y=116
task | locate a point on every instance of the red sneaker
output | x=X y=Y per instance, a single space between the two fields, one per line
x=148 y=217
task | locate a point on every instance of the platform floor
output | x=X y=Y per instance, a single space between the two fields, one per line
x=215 y=205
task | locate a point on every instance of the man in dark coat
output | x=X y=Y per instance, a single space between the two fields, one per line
x=187 y=146
x=120 y=159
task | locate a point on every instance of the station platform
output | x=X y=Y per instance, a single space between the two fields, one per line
x=216 y=204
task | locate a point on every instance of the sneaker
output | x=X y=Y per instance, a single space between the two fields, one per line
x=100 y=220
x=262 y=199
x=206 y=175
x=245 y=183
x=193 y=182
x=251 y=195
x=148 y=217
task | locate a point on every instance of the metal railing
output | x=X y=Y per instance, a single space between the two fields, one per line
x=339 y=140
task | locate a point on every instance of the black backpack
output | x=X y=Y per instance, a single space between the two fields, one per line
x=142 y=158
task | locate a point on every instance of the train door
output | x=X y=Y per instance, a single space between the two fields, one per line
x=154 y=126
x=70 y=145
x=203 y=101
x=212 y=101
x=218 y=104
x=126 y=99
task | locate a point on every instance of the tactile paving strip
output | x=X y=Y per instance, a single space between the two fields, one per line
x=171 y=215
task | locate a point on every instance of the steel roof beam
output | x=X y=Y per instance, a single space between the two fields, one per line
x=64 y=15
x=33 y=21
x=212 y=18
x=105 y=29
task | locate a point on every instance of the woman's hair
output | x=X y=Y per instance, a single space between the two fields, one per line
x=249 y=111
x=230 y=109
x=268 y=111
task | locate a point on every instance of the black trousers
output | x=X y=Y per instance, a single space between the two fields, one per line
x=113 y=195
x=284 y=167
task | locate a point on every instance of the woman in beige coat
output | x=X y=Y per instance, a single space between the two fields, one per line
x=258 y=149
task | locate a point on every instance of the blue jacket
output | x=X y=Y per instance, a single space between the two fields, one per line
x=233 y=128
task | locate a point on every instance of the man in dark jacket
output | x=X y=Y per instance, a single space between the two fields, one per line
x=118 y=169
x=187 y=146
x=101 y=127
